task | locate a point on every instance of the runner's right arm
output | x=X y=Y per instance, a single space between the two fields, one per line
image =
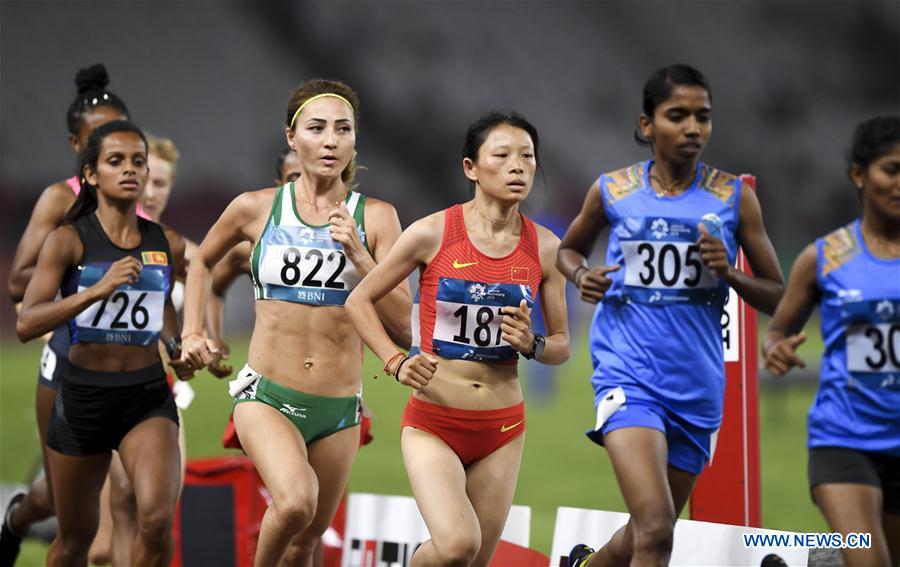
x=224 y=235
x=40 y=312
x=235 y=263
x=784 y=333
x=48 y=213
x=577 y=245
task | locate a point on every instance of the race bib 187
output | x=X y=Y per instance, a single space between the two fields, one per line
x=468 y=316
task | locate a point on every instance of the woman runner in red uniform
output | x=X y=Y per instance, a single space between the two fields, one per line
x=482 y=265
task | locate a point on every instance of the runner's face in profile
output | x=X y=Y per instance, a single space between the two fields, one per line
x=505 y=164
x=681 y=125
x=881 y=184
x=324 y=137
x=290 y=169
x=122 y=170
x=159 y=186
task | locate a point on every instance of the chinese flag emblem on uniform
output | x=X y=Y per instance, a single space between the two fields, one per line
x=519 y=274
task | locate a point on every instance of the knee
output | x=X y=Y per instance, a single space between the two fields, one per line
x=155 y=524
x=99 y=555
x=654 y=536
x=295 y=511
x=74 y=544
x=41 y=497
x=300 y=549
x=458 y=549
x=121 y=493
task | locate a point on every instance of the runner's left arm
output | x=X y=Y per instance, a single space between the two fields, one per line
x=516 y=325
x=764 y=288
x=383 y=230
x=170 y=329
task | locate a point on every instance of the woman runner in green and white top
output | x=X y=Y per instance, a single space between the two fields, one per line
x=313 y=240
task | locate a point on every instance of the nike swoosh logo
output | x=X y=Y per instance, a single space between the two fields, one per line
x=457 y=264
x=505 y=428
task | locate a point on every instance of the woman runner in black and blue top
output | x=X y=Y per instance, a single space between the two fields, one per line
x=114 y=271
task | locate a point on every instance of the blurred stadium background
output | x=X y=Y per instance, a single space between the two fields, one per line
x=790 y=80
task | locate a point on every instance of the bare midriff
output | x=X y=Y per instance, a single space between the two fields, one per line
x=463 y=384
x=313 y=349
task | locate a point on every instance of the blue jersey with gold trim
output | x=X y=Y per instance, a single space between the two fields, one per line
x=858 y=402
x=659 y=325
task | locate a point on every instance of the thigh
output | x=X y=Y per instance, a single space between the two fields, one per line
x=681 y=484
x=276 y=448
x=150 y=457
x=890 y=522
x=639 y=457
x=77 y=482
x=331 y=458
x=44 y=400
x=491 y=485
x=854 y=508
x=438 y=482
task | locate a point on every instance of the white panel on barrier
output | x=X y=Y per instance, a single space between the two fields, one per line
x=696 y=543
x=384 y=531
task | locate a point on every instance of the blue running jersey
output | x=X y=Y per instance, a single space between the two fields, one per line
x=659 y=324
x=858 y=403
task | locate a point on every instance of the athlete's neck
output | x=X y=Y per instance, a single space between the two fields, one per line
x=492 y=216
x=671 y=178
x=320 y=192
x=882 y=235
x=119 y=222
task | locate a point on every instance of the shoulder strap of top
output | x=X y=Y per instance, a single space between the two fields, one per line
x=454 y=225
x=529 y=233
x=356 y=205
x=74 y=184
x=153 y=235
x=285 y=214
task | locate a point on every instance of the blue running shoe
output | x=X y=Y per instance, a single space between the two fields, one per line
x=580 y=555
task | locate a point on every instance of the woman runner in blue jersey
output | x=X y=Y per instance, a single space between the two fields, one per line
x=298 y=401
x=656 y=341
x=853 y=274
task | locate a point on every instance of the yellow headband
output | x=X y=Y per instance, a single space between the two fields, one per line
x=309 y=100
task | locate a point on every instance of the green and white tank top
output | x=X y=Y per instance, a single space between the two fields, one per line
x=299 y=262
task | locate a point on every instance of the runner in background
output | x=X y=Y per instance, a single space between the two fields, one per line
x=853 y=273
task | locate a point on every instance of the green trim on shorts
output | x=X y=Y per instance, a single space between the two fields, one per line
x=314 y=417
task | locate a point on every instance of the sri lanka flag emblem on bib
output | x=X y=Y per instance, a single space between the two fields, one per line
x=157 y=258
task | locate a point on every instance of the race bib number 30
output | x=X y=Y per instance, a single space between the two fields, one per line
x=312 y=268
x=873 y=336
x=663 y=263
x=132 y=315
x=468 y=316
